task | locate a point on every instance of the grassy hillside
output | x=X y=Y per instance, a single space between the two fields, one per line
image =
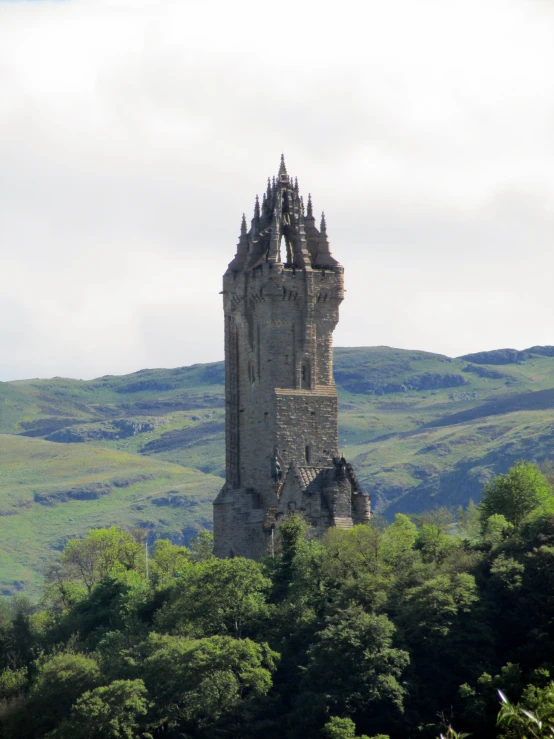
x=147 y=449
x=49 y=492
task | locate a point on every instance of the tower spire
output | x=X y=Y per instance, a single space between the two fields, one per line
x=310 y=210
x=282 y=166
x=243 y=229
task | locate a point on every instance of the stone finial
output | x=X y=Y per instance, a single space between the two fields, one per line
x=310 y=211
x=323 y=226
x=257 y=219
x=322 y=257
x=273 y=253
x=238 y=263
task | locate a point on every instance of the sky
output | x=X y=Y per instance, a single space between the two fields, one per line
x=134 y=133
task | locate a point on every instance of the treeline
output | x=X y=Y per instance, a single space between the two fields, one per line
x=400 y=630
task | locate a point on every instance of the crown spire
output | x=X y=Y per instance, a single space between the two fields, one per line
x=280 y=214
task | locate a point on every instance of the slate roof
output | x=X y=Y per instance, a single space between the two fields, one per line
x=309 y=475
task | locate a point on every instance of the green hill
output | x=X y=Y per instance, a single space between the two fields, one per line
x=50 y=492
x=147 y=449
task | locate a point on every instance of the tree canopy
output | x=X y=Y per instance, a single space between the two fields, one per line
x=386 y=631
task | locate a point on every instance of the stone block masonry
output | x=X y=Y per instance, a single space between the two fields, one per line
x=281 y=297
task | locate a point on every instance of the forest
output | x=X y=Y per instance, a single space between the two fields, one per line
x=435 y=625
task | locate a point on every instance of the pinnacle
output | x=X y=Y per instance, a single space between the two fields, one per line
x=243 y=228
x=310 y=212
x=282 y=166
x=323 y=227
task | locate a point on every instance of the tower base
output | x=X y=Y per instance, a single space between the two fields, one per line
x=324 y=496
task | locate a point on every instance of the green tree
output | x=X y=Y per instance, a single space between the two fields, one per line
x=198 y=682
x=102 y=552
x=202 y=546
x=111 y=605
x=291 y=540
x=354 y=665
x=468 y=521
x=353 y=569
x=515 y=494
x=480 y=703
x=344 y=728
x=169 y=561
x=217 y=596
x=398 y=539
x=60 y=681
x=496 y=529
x=433 y=543
x=446 y=633
x=114 y=711
x=12 y=682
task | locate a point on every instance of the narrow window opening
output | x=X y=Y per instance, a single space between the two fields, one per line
x=308 y=454
x=305 y=376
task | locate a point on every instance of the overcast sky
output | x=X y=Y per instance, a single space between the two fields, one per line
x=134 y=134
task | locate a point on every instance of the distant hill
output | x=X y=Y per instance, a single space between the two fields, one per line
x=147 y=449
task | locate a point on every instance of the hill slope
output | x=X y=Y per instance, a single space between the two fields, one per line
x=421 y=429
x=51 y=491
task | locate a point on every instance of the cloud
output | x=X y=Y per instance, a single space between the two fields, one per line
x=134 y=134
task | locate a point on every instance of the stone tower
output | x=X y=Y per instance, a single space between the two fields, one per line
x=281 y=297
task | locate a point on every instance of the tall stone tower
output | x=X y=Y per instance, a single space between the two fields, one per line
x=281 y=297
